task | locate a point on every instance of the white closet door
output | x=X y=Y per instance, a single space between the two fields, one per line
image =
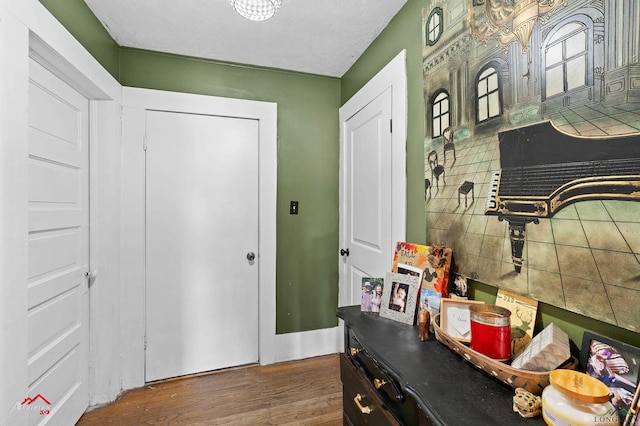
x=201 y=235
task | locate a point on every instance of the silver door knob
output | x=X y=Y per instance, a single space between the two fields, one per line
x=251 y=256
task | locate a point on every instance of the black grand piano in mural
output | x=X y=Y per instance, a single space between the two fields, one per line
x=544 y=170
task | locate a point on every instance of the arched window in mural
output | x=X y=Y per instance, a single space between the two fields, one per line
x=489 y=93
x=440 y=112
x=568 y=58
x=434 y=26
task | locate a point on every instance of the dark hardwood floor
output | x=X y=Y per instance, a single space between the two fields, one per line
x=306 y=392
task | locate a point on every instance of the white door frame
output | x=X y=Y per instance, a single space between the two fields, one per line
x=393 y=76
x=135 y=104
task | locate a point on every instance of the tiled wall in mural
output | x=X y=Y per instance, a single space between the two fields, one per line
x=491 y=66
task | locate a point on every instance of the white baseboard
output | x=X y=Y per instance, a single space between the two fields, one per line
x=307 y=344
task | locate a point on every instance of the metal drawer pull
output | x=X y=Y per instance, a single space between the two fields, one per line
x=378 y=383
x=354 y=351
x=363 y=410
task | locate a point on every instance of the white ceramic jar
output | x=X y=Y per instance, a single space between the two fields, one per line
x=577 y=399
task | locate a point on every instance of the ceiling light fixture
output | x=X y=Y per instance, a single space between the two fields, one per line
x=256 y=10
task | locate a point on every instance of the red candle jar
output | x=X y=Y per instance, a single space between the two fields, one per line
x=491 y=331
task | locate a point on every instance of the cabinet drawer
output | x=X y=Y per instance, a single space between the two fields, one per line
x=373 y=372
x=382 y=384
x=360 y=403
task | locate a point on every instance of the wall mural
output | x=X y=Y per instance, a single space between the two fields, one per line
x=532 y=148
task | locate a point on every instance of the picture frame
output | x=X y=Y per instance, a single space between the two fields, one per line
x=410 y=270
x=455 y=318
x=403 y=268
x=617 y=365
x=459 y=287
x=399 y=297
x=371 y=294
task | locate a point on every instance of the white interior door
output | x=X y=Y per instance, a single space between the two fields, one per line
x=368 y=202
x=201 y=232
x=58 y=302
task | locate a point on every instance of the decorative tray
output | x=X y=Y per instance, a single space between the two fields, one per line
x=532 y=381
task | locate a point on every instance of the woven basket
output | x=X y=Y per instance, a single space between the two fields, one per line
x=532 y=381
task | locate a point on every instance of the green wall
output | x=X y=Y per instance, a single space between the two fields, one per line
x=78 y=19
x=308 y=149
x=308 y=154
x=405 y=32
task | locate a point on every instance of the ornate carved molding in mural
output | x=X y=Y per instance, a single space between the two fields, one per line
x=507 y=21
x=598 y=30
x=460 y=58
x=462 y=44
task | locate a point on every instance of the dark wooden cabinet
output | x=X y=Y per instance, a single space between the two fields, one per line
x=361 y=403
x=371 y=394
x=390 y=377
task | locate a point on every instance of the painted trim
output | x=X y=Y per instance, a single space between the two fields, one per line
x=136 y=102
x=104 y=252
x=307 y=344
x=132 y=323
x=72 y=61
x=394 y=76
x=14 y=86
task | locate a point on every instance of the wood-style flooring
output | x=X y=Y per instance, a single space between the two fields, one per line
x=306 y=392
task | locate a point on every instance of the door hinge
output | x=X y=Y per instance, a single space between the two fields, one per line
x=145 y=343
x=390 y=126
x=144 y=143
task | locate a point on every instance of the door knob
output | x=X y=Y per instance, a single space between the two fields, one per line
x=344 y=252
x=251 y=256
x=91 y=276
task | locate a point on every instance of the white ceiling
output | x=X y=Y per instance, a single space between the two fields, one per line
x=314 y=36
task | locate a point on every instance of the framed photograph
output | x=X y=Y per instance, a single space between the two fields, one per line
x=399 y=297
x=371 y=294
x=455 y=318
x=614 y=363
x=410 y=270
x=459 y=290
